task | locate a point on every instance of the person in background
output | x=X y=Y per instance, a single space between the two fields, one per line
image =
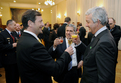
x=73 y=23
x=114 y=29
x=17 y=33
x=61 y=30
x=100 y=57
x=54 y=33
x=46 y=34
x=34 y=62
x=82 y=32
x=48 y=25
x=72 y=72
x=8 y=52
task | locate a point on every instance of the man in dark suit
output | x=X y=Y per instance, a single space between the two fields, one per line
x=61 y=30
x=46 y=34
x=34 y=63
x=8 y=52
x=69 y=75
x=115 y=30
x=17 y=33
x=82 y=32
x=100 y=56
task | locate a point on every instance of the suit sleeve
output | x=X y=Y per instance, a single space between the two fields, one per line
x=52 y=53
x=81 y=49
x=4 y=47
x=106 y=56
x=44 y=62
x=117 y=37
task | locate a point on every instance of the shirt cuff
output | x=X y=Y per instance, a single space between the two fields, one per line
x=54 y=49
x=78 y=44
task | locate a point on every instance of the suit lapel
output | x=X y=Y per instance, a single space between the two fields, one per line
x=94 y=42
x=8 y=36
x=63 y=46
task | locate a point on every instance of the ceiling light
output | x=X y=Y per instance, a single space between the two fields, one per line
x=50 y=2
x=39 y=3
x=14 y=1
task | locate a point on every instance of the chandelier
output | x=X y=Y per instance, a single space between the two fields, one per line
x=50 y=2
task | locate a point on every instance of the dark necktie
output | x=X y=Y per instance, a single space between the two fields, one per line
x=92 y=38
x=12 y=37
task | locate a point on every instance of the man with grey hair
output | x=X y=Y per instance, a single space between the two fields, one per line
x=61 y=30
x=73 y=70
x=100 y=56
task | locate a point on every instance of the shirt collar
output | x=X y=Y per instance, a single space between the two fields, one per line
x=100 y=30
x=8 y=31
x=33 y=34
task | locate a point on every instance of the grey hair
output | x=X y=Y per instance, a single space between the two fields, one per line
x=98 y=13
x=71 y=25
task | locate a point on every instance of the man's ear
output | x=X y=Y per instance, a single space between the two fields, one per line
x=30 y=23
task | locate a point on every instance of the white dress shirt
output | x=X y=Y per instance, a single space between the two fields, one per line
x=74 y=57
x=100 y=30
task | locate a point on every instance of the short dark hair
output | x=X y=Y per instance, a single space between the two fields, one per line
x=29 y=15
x=56 y=25
x=9 y=21
x=67 y=19
x=80 y=24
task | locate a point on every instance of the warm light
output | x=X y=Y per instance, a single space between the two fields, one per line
x=14 y=1
x=78 y=13
x=59 y=16
x=0 y=14
x=101 y=5
x=42 y=10
x=32 y=9
x=38 y=8
x=1 y=7
x=65 y=15
x=51 y=11
x=39 y=3
x=50 y=2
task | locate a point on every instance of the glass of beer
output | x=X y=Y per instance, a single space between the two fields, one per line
x=74 y=35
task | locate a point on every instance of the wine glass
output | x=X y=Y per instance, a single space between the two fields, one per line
x=61 y=40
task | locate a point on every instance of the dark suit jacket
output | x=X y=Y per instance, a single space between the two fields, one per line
x=7 y=52
x=59 y=51
x=100 y=60
x=46 y=34
x=61 y=31
x=116 y=33
x=82 y=33
x=90 y=35
x=16 y=35
x=53 y=36
x=35 y=64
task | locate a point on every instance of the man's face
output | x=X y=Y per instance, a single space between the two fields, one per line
x=12 y=25
x=18 y=27
x=90 y=24
x=111 y=23
x=37 y=26
x=69 y=32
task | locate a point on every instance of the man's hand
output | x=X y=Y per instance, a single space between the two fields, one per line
x=14 y=45
x=70 y=50
x=56 y=42
x=76 y=40
x=80 y=64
